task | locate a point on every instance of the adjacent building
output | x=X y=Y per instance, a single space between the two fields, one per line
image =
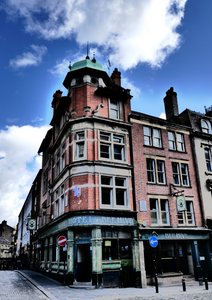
x=6 y=244
x=26 y=243
x=167 y=198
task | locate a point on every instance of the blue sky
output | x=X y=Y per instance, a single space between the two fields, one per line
x=155 y=44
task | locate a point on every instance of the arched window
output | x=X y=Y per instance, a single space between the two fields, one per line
x=206 y=126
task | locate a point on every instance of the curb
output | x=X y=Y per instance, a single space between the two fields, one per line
x=35 y=284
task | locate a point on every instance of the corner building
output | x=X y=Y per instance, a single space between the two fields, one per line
x=87 y=182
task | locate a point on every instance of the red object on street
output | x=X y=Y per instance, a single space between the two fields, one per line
x=61 y=240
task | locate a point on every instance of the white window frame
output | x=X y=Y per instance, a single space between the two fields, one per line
x=152 y=137
x=180 y=175
x=115 y=109
x=59 y=201
x=208 y=158
x=176 y=141
x=187 y=217
x=80 y=141
x=110 y=141
x=206 y=126
x=157 y=213
x=63 y=161
x=155 y=171
x=56 y=204
x=112 y=189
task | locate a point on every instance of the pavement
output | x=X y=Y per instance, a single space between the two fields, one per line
x=55 y=290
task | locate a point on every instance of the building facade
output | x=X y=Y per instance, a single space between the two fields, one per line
x=87 y=195
x=6 y=245
x=26 y=240
x=167 y=198
x=112 y=179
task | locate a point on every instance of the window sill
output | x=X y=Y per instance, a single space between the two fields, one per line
x=155 y=147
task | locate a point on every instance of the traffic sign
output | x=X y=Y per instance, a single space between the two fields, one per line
x=61 y=240
x=153 y=241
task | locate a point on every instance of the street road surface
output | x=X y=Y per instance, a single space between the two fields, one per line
x=30 y=285
x=14 y=286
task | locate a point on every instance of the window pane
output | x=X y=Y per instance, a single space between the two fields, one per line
x=120 y=197
x=205 y=126
x=208 y=159
x=171 y=139
x=105 y=151
x=180 y=218
x=157 y=138
x=164 y=211
x=184 y=170
x=80 y=149
x=180 y=142
x=106 y=196
x=120 y=181
x=150 y=170
x=105 y=137
x=153 y=211
x=118 y=152
x=147 y=136
x=176 y=175
x=105 y=180
x=190 y=212
x=117 y=139
x=80 y=136
x=114 y=109
x=161 y=171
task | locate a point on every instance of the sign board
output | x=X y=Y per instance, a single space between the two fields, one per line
x=153 y=241
x=32 y=224
x=181 y=203
x=107 y=243
x=61 y=240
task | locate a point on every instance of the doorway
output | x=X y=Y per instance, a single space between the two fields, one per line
x=83 y=263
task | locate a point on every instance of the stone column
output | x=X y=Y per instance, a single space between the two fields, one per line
x=196 y=258
x=136 y=258
x=142 y=264
x=45 y=253
x=50 y=252
x=70 y=258
x=96 y=256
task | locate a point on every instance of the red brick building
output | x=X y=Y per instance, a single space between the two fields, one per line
x=111 y=180
x=87 y=182
x=167 y=199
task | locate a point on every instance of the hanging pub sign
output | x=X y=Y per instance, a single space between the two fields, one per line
x=181 y=203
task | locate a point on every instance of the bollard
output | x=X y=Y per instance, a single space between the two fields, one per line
x=156 y=283
x=206 y=283
x=184 y=285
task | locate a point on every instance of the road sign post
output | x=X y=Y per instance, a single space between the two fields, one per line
x=153 y=241
x=61 y=240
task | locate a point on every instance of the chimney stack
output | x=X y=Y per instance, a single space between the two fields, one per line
x=171 y=104
x=116 y=77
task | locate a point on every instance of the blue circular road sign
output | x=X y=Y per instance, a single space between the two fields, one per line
x=153 y=241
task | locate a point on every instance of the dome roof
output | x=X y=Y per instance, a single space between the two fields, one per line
x=87 y=63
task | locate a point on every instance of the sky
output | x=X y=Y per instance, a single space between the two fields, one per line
x=155 y=44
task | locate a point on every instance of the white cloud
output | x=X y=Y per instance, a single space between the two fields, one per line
x=134 y=91
x=60 y=68
x=162 y=116
x=132 y=31
x=19 y=146
x=31 y=58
